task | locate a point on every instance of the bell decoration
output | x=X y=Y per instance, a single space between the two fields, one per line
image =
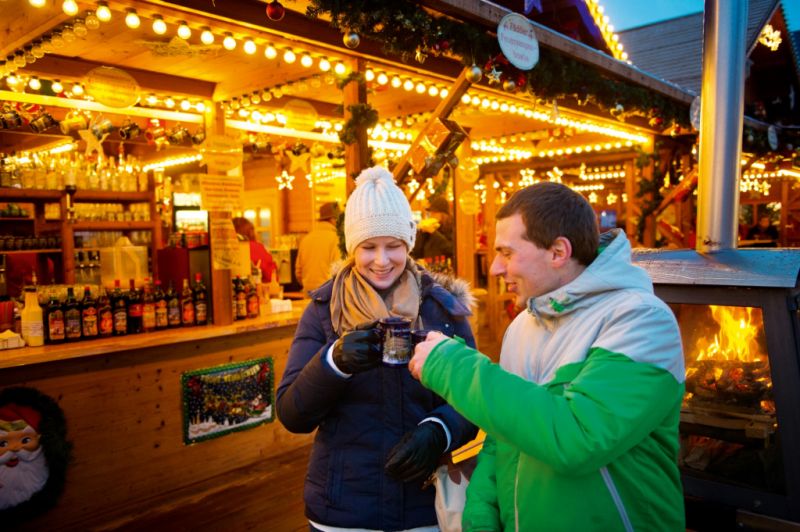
x=509 y=85
x=474 y=73
x=275 y=11
x=351 y=40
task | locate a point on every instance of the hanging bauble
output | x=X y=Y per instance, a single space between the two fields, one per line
x=521 y=80
x=275 y=10
x=351 y=40
x=656 y=121
x=618 y=111
x=509 y=85
x=474 y=74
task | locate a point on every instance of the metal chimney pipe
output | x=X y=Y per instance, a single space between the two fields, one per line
x=721 y=121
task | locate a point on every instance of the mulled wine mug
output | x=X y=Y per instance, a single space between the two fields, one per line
x=102 y=127
x=10 y=119
x=398 y=340
x=129 y=130
x=74 y=121
x=42 y=122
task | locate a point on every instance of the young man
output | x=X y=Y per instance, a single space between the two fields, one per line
x=582 y=412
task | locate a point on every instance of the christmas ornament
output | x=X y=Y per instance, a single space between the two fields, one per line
x=656 y=121
x=474 y=74
x=522 y=80
x=494 y=75
x=509 y=85
x=618 y=112
x=351 y=40
x=275 y=11
x=93 y=143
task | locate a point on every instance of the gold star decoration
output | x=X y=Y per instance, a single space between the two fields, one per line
x=92 y=142
x=494 y=75
x=592 y=198
x=285 y=180
x=301 y=162
x=611 y=199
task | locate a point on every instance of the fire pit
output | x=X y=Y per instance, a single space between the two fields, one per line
x=740 y=426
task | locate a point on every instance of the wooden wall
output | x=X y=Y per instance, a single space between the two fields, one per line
x=124 y=419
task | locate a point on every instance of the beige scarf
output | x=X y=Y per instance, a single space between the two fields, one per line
x=355 y=301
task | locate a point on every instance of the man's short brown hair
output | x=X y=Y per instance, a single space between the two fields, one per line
x=550 y=210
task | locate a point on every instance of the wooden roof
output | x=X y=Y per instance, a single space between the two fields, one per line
x=673 y=49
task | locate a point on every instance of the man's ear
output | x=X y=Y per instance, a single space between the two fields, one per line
x=561 y=251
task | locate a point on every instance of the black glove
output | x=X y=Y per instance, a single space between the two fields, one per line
x=358 y=350
x=417 y=453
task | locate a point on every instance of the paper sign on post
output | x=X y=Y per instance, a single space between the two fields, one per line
x=224 y=243
x=221 y=192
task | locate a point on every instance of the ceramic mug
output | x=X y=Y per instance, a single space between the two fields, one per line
x=102 y=127
x=74 y=121
x=129 y=130
x=42 y=122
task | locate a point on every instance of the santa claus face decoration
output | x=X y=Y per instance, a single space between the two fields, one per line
x=33 y=453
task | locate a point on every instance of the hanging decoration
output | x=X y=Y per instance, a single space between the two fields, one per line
x=362 y=115
x=34 y=454
x=284 y=180
x=275 y=11
x=351 y=40
x=439 y=141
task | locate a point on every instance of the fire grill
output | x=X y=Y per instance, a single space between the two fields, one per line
x=740 y=421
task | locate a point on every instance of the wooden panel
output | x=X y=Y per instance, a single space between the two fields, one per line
x=124 y=419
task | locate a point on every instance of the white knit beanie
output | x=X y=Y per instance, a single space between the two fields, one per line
x=377 y=207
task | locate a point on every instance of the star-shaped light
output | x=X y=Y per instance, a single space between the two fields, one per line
x=92 y=142
x=301 y=162
x=285 y=180
x=592 y=198
x=494 y=75
x=611 y=199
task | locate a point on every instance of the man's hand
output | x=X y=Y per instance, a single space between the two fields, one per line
x=422 y=351
x=417 y=453
x=358 y=350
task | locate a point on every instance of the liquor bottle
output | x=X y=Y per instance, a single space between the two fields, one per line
x=240 y=297
x=187 y=305
x=89 y=325
x=119 y=307
x=148 y=307
x=251 y=295
x=54 y=321
x=200 y=300
x=135 y=310
x=173 y=307
x=160 y=303
x=105 y=316
x=31 y=318
x=72 y=316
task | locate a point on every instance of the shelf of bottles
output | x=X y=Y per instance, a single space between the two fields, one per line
x=67 y=313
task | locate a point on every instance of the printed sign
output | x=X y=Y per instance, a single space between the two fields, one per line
x=224 y=244
x=518 y=41
x=221 y=192
x=112 y=87
x=227 y=398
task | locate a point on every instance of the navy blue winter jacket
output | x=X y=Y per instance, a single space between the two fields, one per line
x=359 y=419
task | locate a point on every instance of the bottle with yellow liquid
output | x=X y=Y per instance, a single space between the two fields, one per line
x=32 y=319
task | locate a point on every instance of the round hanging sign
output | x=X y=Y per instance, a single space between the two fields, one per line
x=518 y=41
x=221 y=153
x=468 y=170
x=112 y=87
x=469 y=202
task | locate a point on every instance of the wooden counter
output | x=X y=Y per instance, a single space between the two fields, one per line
x=122 y=400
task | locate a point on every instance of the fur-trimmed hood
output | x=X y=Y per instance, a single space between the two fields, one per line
x=453 y=293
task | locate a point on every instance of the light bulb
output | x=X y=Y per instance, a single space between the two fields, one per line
x=229 y=43
x=184 y=31
x=170 y=103
x=77 y=89
x=186 y=105
x=339 y=68
x=324 y=65
x=57 y=87
x=67 y=33
x=382 y=78
x=249 y=46
x=420 y=88
x=306 y=60
x=92 y=22
x=37 y=3
x=433 y=90
x=206 y=36
x=255 y=98
x=132 y=19
x=103 y=12
x=396 y=82
x=443 y=93
x=151 y=99
x=200 y=107
x=289 y=56
x=79 y=27
x=57 y=40
x=369 y=75
x=34 y=83
x=408 y=85
x=70 y=7
x=37 y=50
x=159 y=26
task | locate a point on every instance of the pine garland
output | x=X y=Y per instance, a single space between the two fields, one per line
x=362 y=115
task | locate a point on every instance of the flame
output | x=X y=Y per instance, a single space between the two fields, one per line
x=737 y=338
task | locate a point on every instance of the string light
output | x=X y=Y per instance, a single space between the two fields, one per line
x=57 y=87
x=159 y=26
x=184 y=31
x=249 y=46
x=324 y=65
x=206 y=36
x=37 y=3
x=229 y=43
x=339 y=68
x=103 y=12
x=77 y=89
x=34 y=83
x=70 y=7
x=306 y=60
x=270 y=52
x=132 y=19
x=288 y=56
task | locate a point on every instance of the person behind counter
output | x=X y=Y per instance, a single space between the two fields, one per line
x=380 y=434
x=582 y=412
x=764 y=232
x=258 y=253
x=319 y=250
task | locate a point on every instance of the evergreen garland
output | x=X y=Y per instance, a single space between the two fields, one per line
x=649 y=192
x=362 y=115
x=407 y=30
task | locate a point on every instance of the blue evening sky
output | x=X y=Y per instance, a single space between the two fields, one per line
x=626 y=14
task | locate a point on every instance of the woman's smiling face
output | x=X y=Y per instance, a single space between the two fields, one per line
x=381 y=260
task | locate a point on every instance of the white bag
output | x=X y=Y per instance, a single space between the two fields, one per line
x=451 y=481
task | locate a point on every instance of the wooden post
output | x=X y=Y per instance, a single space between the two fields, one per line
x=442 y=111
x=631 y=206
x=784 y=212
x=221 y=293
x=464 y=226
x=356 y=155
x=493 y=304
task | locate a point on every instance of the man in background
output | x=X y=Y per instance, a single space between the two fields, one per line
x=318 y=250
x=435 y=235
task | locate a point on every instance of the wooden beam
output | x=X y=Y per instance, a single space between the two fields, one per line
x=356 y=155
x=489 y=14
x=678 y=192
x=60 y=67
x=442 y=111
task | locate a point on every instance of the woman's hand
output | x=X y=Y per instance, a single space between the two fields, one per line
x=358 y=350
x=422 y=351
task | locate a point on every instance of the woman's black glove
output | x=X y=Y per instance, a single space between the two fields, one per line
x=359 y=349
x=417 y=453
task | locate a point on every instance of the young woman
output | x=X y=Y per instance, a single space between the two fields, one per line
x=380 y=434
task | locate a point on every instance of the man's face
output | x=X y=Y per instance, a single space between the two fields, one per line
x=526 y=268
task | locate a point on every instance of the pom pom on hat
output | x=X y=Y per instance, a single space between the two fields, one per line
x=377 y=207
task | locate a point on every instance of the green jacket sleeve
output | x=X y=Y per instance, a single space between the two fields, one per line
x=481 y=512
x=608 y=405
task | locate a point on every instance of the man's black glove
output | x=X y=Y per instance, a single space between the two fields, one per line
x=417 y=453
x=359 y=349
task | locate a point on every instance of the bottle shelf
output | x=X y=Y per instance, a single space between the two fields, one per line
x=110 y=196
x=23 y=194
x=21 y=251
x=111 y=226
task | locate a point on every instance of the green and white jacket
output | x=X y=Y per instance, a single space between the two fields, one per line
x=582 y=412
